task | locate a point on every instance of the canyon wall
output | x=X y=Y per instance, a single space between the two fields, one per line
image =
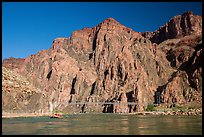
x=111 y=63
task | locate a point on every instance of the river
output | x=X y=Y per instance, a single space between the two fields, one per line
x=104 y=124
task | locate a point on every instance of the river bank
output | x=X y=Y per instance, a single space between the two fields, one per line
x=178 y=112
x=13 y=115
x=187 y=113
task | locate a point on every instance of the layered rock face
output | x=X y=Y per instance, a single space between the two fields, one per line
x=179 y=26
x=113 y=64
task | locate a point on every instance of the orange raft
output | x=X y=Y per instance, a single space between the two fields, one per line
x=56 y=116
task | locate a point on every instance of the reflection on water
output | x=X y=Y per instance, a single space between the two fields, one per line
x=110 y=124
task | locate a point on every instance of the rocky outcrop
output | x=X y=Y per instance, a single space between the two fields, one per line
x=179 y=26
x=13 y=63
x=112 y=69
x=180 y=50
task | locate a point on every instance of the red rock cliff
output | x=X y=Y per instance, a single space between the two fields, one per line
x=113 y=63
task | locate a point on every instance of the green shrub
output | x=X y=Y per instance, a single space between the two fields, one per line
x=179 y=108
x=150 y=107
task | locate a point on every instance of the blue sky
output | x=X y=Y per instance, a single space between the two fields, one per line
x=28 y=27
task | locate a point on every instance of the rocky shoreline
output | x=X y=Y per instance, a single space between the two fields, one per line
x=191 y=112
x=187 y=113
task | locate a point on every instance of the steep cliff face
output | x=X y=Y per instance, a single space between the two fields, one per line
x=185 y=85
x=179 y=26
x=111 y=63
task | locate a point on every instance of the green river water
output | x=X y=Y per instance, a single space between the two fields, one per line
x=104 y=124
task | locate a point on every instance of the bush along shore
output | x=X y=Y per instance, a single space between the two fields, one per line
x=172 y=110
